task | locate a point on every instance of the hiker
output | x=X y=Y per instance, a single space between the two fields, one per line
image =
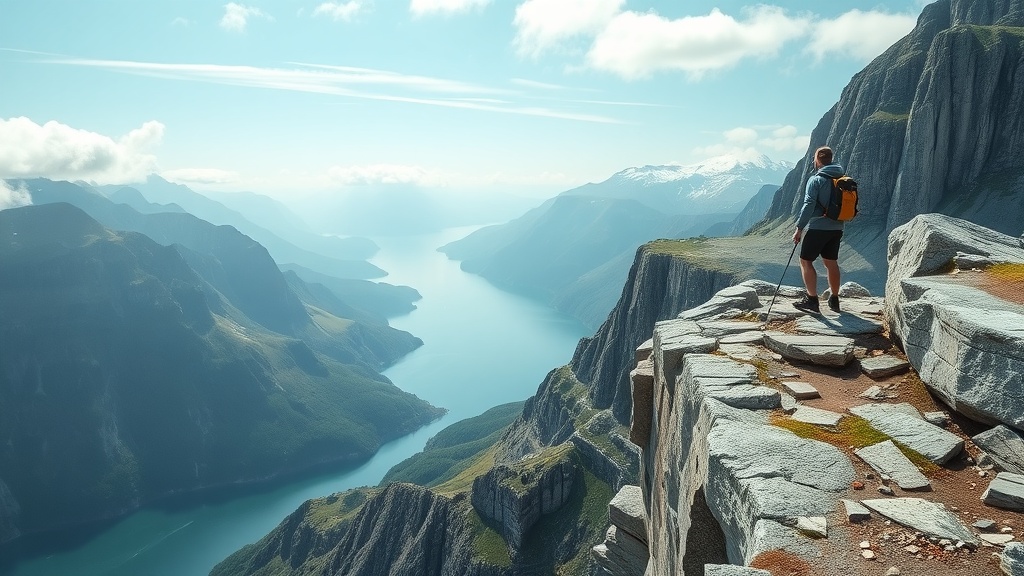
x=823 y=234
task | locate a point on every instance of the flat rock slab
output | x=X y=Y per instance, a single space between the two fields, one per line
x=939 y=418
x=626 y=510
x=887 y=459
x=929 y=518
x=874 y=393
x=752 y=337
x=749 y=396
x=731 y=570
x=822 y=350
x=743 y=352
x=677 y=338
x=726 y=303
x=719 y=328
x=814 y=526
x=997 y=539
x=1005 y=446
x=932 y=442
x=1005 y=491
x=883 y=366
x=842 y=325
x=816 y=416
x=855 y=511
x=800 y=390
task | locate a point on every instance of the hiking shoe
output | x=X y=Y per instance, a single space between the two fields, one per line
x=833 y=303
x=808 y=304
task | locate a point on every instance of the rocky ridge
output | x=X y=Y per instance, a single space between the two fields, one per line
x=736 y=471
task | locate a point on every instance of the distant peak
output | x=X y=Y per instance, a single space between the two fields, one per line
x=713 y=166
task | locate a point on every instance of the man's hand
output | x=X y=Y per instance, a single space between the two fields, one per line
x=796 y=236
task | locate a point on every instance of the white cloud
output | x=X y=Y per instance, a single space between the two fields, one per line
x=344 y=11
x=543 y=24
x=236 y=16
x=421 y=7
x=351 y=82
x=13 y=197
x=58 y=151
x=748 y=143
x=635 y=45
x=201 y=176
x=384 y=174
x=863 y=35
x=180 y=21
x=741 y=135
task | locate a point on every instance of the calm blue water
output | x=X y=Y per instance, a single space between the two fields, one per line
x=482 y=347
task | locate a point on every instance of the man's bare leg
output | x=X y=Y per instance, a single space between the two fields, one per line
x=832 y=269
x=810 y=276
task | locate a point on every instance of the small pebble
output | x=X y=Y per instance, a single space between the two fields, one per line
x=912 y=549
x=858 y=485
x=885 y=490
x=894 y=571
x=867 y=554
x=1006 y=529
x=865 y=545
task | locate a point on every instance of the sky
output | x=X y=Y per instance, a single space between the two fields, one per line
x=296 y=97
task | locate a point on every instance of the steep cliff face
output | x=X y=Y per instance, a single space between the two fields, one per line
x=343 y=534
x=660 y=285
x=920 y=134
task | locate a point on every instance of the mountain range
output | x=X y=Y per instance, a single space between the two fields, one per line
x=913 y=128
x=153 y=354
x=574 y=250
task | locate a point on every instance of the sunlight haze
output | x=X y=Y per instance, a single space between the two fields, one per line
x=290 y=97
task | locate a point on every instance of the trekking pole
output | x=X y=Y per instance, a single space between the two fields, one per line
x=768 y=315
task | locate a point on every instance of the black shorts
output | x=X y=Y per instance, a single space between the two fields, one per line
x=824 y=243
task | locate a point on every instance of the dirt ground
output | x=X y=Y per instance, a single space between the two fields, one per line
x=958 y=484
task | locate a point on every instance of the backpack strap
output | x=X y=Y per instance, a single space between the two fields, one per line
x=831 y=183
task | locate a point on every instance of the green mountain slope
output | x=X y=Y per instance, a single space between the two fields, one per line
x=127 y=377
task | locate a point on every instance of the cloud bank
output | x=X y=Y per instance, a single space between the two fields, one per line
x=635 y=45
x=747 y=143
x=58 y=151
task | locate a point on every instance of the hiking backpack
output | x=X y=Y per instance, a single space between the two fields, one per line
x=842 y=202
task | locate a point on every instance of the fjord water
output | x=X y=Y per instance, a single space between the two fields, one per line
x=482 y=347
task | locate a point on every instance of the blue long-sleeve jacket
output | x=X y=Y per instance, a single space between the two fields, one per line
x=816 y=197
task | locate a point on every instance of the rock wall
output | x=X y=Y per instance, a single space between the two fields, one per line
x=721 y=485
x=659 y=286
x=964 y=356
x=515 y=497
x=919 y=134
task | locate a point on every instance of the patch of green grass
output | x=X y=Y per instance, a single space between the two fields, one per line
x=883 y=116
x=326 y=512
x=990 y=36
x=488 y=544
x=852 y=432
x=463 y=481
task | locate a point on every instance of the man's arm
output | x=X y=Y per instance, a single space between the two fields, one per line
x=807 y=210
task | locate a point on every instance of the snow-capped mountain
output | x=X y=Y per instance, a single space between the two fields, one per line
x=719 y=184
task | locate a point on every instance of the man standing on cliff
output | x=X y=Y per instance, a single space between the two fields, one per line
x=823 y=234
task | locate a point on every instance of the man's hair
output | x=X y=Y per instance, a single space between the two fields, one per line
x=824 y=155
